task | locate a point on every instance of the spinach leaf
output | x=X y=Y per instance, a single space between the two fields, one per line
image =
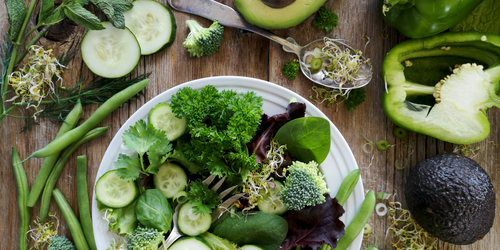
x=263 y=229
x=154 y=211
x=16 y=10
x=307 y=138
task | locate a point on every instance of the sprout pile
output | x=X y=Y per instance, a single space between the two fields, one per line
x=34 y=81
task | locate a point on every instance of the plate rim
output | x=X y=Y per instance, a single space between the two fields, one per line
x=114 y=146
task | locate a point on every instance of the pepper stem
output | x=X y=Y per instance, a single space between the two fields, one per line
x=388 y=4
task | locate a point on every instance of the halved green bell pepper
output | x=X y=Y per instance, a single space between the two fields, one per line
x=423 y=18
x=443 y=85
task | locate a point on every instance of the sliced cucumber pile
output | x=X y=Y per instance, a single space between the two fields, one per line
x=111 y=52
x=162 y=118
x=193 y=224
x=170 y=179
x=115 y=192
x=190 y=243
x=270 y=202
x=152 y=23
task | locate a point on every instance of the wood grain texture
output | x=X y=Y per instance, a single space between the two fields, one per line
x=246 y=54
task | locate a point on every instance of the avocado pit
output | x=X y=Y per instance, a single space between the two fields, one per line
x=277 y=4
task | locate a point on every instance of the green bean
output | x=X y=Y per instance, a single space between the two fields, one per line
x=54 y=175
x=49 y=162
x=102 y=112
x=347 y=186
x=83 y=200
x=22 y=199
x=74 y=226
x=358 y=222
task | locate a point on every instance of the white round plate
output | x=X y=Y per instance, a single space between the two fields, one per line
x=337 y=165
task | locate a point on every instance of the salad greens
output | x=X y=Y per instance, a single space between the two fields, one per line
x=229 y=137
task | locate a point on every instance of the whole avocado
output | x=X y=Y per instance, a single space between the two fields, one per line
x=452 y=198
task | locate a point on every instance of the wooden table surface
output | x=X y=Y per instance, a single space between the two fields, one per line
x=247 y=54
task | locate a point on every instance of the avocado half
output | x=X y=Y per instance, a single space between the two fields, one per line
x=452 y=198
x=284 y=13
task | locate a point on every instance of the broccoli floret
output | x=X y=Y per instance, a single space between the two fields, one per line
x=290 y=69
x=304 y=186
x=60 y=243
x=325 y=19
x=203 y=41
x=145 y=238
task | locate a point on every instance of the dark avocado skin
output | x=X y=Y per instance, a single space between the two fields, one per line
x=452 y=198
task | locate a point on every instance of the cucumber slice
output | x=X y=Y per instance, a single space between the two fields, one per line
x=170 y=179
x=190 y=243
x=193 y=224
x=270 y=202
x=152 y=23
x=162 y=118
x=111 y=52
x=115 y=192
x=250 y=247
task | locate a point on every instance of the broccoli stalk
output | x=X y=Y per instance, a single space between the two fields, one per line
x=304 y=186
x=60 y=243
x=325 y=19
x=203 y=41
x=145 y=238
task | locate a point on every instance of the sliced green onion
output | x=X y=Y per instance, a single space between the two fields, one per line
x=383 y=145
x=400 y=132
x=316 y=65
x=383 y=196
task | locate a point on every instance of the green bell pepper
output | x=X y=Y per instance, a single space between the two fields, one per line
x=443 y=85
x=423 y=18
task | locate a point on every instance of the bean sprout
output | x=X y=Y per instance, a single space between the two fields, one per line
x=42 y=233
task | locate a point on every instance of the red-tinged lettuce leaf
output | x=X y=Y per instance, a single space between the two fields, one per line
x=268 y=127
x=315 y=225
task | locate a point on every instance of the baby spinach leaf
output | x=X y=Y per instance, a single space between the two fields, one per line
x=16 y=10
x=307 y=138
x=154 y=211
x=263 y=229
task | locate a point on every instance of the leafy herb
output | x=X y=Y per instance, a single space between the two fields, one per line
x=291 y=69
x=355 y=97
x=325 y=19
x=204 y=199
x=219 y=127
x=143 y=138
x=113 y=9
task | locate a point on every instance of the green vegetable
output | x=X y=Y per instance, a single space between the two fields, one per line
x=193 y=224
x=220 y=124
x=50 y=161
x=22 y=199
x=423 y=18
x=83 y=200
x=353 y=99
x=113 y=191
x=145 y=140
x=190 y=242
x=162 y=118
x=347 y=186
x=74 y=226
x=316 y=65
x=170 y=179
x=383 y=145
x=204 y=198
x=400 y=132
x=102 y=112
x=154 y=211
x=145 y=238
x=304 y=186
x=59 y=242
x=58 y=167
x=114 y=10
x=291 y=69
x=483 y=18
x=325 y=19
x=122 y=221
x=307 y=138
x=217 y=243
x=203 y=41
x=267 y=230
x=426 y=95
x=358 y=222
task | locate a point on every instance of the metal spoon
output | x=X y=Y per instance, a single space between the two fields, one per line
x=227 y=16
